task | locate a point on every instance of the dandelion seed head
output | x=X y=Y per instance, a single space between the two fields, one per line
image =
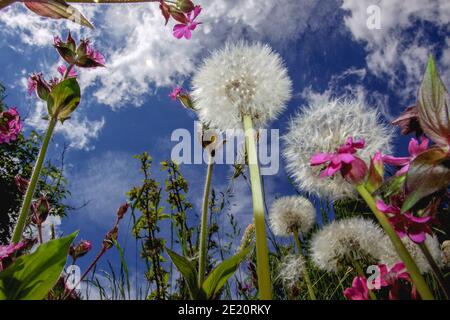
x=446 y=253
x=391 y=257
x=289 y=214
x=323 y=126
x=241 y=79
x=356 y=237
x=291 y=269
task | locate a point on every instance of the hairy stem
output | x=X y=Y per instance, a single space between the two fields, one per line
x=403 y=253
x=204 y=224
x=262 y=251
x=21 y=221
x=312 y=295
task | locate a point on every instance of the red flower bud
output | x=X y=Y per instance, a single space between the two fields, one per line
x=40 y=209
x=80 y=249
x=185 y=5
x=21 y=183
x=355 y=172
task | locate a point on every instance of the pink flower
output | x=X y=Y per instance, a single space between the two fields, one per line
x=7 y=251
x=175 y=93
x=10 y=125
x=406 y=224
x=358 y=290
x=184 y=29
x=352 y=168
x=80 y=249
x=95 y=55
x=62 y=71
x=414 y=149
x=391 y=277
x=38 y=85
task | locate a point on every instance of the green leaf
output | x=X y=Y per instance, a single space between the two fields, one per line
x=188 y=272
x=220 y=275
x=58 y=9
x=427 y=174
x=64 y=99
x=393 y=186
x=32 y=276
x=434 y=106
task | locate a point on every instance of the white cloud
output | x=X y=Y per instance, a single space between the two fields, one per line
x=78 y=129
x=395 y=52
x=142 y=55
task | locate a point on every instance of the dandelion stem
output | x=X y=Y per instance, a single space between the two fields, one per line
x=18 y=230
x=204 y=224
x=436 y=271
x=262 y=251
x=312 y=295
x=403 y=253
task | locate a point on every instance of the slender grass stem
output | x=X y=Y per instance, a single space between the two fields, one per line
x=204 y=224
x=262 y=251
x=436 y=271
x=312 y=294
x=403 y=253
x=21 y=221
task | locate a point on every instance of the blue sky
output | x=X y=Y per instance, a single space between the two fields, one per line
x=125 y=110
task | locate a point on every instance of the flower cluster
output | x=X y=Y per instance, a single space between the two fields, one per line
x=10 y=125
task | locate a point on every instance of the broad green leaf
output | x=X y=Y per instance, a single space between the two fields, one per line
x=58 y=9
x=64 y=99
x=220 y=275
x=427 y=174
x=188 y=272
x=32 y=276
x=434 y=106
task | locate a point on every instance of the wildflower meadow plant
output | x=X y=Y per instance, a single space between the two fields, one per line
x=244 y=86
x=62 y=96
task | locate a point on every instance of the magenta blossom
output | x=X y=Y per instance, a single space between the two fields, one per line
x=185 y=29
x=62 y=71
x=406 y=224
x=10 y=125
x=415 y=148
x=175 y=93
x=358 y=290
x=395 y=278
x=7 y=251
x=95 y=55
x=352 y=168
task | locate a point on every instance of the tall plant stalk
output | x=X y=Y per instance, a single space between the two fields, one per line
x=21 y=221
x=312 y=295
x=262 y=251
x=204 y=223
x=403 y=253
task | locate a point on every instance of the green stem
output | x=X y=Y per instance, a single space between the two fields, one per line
x=262 y=252
x=18 y=230
x=399 y=246
x=436 y=271
x=312 y=295
x=204 y=224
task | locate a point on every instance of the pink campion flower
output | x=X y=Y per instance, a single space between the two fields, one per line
x=7 y=251
x=185 y=29
x=392 y=278
x=81 y=249
x=10 y=125
x=95 y=55
x=62 y=71
x=358 y=290
x=175 y=93
x=342 y=160
x=406 y=224
x=415 y=148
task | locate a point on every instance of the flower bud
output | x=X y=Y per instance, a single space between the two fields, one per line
x=376 y=172
x=21 y=183
x=80 y=249
x=355 y=172
x=40 y=209
x=122 y=210
x=37 y=83
x=67 y=50
x=110 y=238
x=185 y=5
